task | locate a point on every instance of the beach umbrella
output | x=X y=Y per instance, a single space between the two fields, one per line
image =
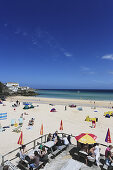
x=86 y=138
x=108 y=137
x=41 y=130
x=61 y=125
x=20 y=141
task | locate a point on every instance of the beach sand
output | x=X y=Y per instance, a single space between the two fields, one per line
x=73 y=120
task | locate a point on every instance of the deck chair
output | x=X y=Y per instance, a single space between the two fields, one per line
x=20 y=121
x=17 y=130
x=12 y=122
x=2 y=129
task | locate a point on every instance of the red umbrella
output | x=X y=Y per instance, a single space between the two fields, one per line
x=20 y=141
x=108 y=137
x=61 y=125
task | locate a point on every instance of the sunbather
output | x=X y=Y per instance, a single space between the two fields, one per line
x=31 y=122
x=25 y=113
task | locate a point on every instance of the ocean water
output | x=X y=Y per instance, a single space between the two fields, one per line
x=77 y=94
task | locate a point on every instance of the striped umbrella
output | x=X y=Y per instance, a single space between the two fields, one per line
x=20 y=141
x=86 y=138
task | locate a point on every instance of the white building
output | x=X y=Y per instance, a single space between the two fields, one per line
x=13 y=86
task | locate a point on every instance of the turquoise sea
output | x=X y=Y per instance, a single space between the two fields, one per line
x=82 y=94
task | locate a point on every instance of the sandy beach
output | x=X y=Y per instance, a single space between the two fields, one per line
x=73 y=120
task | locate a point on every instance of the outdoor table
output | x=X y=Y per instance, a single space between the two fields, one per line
x=49 y=145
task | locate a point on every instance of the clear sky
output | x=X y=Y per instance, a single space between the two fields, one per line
x=57 y=43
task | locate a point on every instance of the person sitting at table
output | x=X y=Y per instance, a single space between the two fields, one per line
x=55 y=134
x=108 y=155
x=43 y=154
x=91 y=151
x=65 y=140
x=69 y=138
x=49 y=138
x=35 y=160
x=23 y=152
x=58 y=142
x=85 y=148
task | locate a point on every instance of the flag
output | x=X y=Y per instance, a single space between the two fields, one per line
x=20 y=141
x=61 y=125
x=41 y=130
x=108 y=137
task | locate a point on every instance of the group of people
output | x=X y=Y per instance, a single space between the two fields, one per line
x=33 y=161
x=93 y=151
x=41 y=154
x=57 y=140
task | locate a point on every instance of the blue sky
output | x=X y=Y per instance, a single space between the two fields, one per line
x=57 y=43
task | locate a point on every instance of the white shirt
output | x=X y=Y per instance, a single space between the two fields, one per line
x=66 y=142
x=96 y=151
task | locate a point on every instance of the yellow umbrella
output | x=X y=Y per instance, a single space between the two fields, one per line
x=86 y=138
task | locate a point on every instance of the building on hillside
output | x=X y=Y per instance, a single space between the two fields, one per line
x=13 y=86
x=24 y=88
